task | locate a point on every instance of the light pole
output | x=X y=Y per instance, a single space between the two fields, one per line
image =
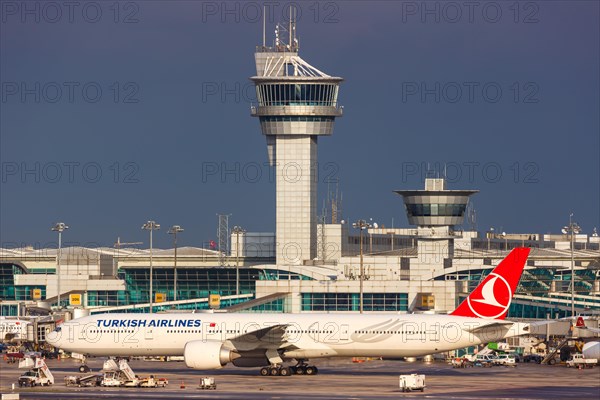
x=59 y=227
x=174 y=230
x=151 y=226
x=361 y=224
x=375 y=226
x=572 y=229
x=237 y=230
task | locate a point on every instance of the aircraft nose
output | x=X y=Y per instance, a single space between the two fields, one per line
x=54 y=337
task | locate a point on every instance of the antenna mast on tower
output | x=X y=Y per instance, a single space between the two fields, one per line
x=336 y=203
x=223 y=238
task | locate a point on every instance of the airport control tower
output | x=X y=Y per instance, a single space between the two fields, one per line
x=435 y=211
x=297 y=103
x=435 y=206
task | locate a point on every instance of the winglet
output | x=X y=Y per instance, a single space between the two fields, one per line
x=580 y=323
x=491 y=299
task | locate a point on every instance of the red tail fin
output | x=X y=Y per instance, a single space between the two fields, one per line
x=492 y=297
x=580 y=323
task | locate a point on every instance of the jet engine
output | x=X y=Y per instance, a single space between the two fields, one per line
x=591 y=350
x=209 y=354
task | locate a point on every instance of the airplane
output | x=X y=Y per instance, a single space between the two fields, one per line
x=210 y=341
x=590 y=349
x=13 y=329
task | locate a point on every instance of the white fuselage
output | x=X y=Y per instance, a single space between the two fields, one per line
x=302 y=335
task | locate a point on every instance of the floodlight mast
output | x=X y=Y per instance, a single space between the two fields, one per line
x=174 y=230
x=361 y=225
x=151 y=226
x=237 y=230
x=59 y=227
x=572 y=229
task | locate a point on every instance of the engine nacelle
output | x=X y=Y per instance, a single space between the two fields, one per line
x=209 y=354
x=591 y=350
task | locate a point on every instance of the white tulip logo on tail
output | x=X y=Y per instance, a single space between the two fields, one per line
x=493 y=299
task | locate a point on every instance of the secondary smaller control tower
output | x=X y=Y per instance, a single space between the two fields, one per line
x=435 y=211
x=297 y=103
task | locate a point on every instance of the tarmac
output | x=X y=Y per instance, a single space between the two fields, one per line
x=337 y=379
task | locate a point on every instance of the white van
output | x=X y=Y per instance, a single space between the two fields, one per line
x=505 y=359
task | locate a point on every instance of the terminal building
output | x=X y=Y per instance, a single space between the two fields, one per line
x=429 y=267
x=306 y=265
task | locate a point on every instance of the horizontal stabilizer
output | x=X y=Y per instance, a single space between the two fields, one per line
x=498 y=324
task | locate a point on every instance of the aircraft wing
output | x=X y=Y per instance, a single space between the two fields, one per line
x=271 y=337
x=274 y=338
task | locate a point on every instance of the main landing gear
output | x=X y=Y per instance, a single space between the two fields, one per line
x=299 y=369
x=275 y=371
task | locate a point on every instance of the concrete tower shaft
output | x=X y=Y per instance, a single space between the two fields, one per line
x=296 y=104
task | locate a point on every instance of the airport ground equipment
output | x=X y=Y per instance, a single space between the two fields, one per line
x=38 y=375
x=119 y=374
x=13 y=354
x=148 y=382
x=207 y=383
x=81 y=381
x=153 y=382
x=162 y=382
x=461 y=362
x=579 y=361
x=533 y=358
x=559 y=351
x=411 y=382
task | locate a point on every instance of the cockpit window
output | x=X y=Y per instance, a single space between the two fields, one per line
x=58 y=329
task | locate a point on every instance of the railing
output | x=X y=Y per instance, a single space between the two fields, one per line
x=138 y=306
x=334 y=110
x=276 y=49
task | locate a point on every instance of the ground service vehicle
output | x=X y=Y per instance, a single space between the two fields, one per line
x=505 y=359
x=411 y=382
x=579 y=361
x=208 y=383
x=38 y=375
x=484 y=360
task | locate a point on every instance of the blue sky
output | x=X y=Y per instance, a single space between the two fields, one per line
x=114 y=116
